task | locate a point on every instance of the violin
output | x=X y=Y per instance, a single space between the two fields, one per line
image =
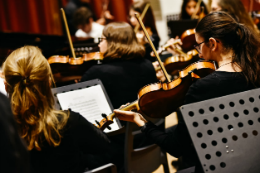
x=66 y=69
x=188 y=39
x=174 y=63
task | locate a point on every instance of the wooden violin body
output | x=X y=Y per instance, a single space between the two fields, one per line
x=66 y=69
x=177 y=62
x=188 y=40
x=161 y=99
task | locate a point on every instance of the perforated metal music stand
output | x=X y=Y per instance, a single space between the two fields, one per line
x=226 y=132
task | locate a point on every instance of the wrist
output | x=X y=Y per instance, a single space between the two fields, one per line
x=140 y=121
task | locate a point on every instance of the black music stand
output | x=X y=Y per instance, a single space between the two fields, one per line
x=177 y=27
x=82 y=85
x=226 y=132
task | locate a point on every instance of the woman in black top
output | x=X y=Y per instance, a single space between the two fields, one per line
x=58 y=141
x=124 y=70
x=235 y=48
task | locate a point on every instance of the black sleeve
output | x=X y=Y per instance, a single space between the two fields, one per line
x=89 y=138
x=90 y=74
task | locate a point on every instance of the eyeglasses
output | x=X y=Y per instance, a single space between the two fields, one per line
x=101 y=39
x=197 y=46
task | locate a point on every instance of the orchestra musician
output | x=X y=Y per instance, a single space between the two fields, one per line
x=87 y=27
x=235 y=49
x=149 y=22
x=58 y=141
x=188 y=8
x=124 y=70
x=236 y=9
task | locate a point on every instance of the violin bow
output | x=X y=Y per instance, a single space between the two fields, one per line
x=142 y=16
x=68 y=32
x=151 y=44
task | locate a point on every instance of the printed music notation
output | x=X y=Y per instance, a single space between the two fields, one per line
x=89 y=102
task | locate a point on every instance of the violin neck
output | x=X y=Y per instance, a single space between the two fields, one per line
x=131 y=106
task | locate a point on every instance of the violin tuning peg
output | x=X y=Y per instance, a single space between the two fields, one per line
x=97 y=122
x=108 y=127
x=104 y=115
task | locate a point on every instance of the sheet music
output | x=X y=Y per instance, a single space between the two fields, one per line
x=90 y=102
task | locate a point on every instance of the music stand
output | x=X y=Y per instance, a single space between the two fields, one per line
x=226 y=132
x=82 y=85
x=177 y=27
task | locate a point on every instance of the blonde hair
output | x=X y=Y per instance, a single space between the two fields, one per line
x=28 y=76
x=122 y=42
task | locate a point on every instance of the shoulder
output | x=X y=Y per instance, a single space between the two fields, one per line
x=80 y=33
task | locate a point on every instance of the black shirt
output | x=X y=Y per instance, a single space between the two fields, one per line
x=123 y=79
x=79 y=138
x=14 y=157
x=178 y=142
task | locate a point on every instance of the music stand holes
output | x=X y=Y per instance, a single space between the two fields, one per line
x=220 y=129
x=214 y=143
x=201 y=111
x=250 y=122
x=259 y=120
x=55 y=95
x=195 y=124
x=241 y=101
x=221 y=106
x=240 y=124
x=191 y=114
x=212 y=167
x=211 y=109
x=251 y=99
x=215 y=119
x=205 y=121
x=246 y=112
x=210 y=132
x=256 y=110
x=226 y=117
x=218 y=153
x=255 y=133
x=199 y=135
x=231 y=104
x=204 y=164
x=230 y=127
x=208 y=156
x=235 y=138
x=224 y=140
x=244 y=135
x=236 y=114
x=203 y=145
x=222 y=165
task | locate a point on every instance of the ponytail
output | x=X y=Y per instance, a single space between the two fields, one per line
x=237 y=37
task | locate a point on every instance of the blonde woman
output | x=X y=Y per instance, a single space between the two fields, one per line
x=58 y=141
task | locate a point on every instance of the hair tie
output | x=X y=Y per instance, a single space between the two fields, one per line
x=26 y=80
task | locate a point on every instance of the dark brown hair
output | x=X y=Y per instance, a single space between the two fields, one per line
x=148 y=19
x=82 y=16
x=234 y=36
x=237 y=10
x=184 y=14
x=121 y=42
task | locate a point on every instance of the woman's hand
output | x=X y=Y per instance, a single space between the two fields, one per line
x=130 y=116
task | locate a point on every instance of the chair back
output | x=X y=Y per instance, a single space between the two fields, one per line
x=142 y=160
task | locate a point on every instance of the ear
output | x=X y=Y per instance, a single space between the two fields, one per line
x=90 y=20
x=6 y=86
x=213 y=44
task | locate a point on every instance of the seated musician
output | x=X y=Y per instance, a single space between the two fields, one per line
x=149 y=22
x=236 y=9
x=188 y=8
x=235 y=49
x=87 y=28
x=124 y=70
x=58 y=141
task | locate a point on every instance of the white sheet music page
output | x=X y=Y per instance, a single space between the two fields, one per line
x=90 y=102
